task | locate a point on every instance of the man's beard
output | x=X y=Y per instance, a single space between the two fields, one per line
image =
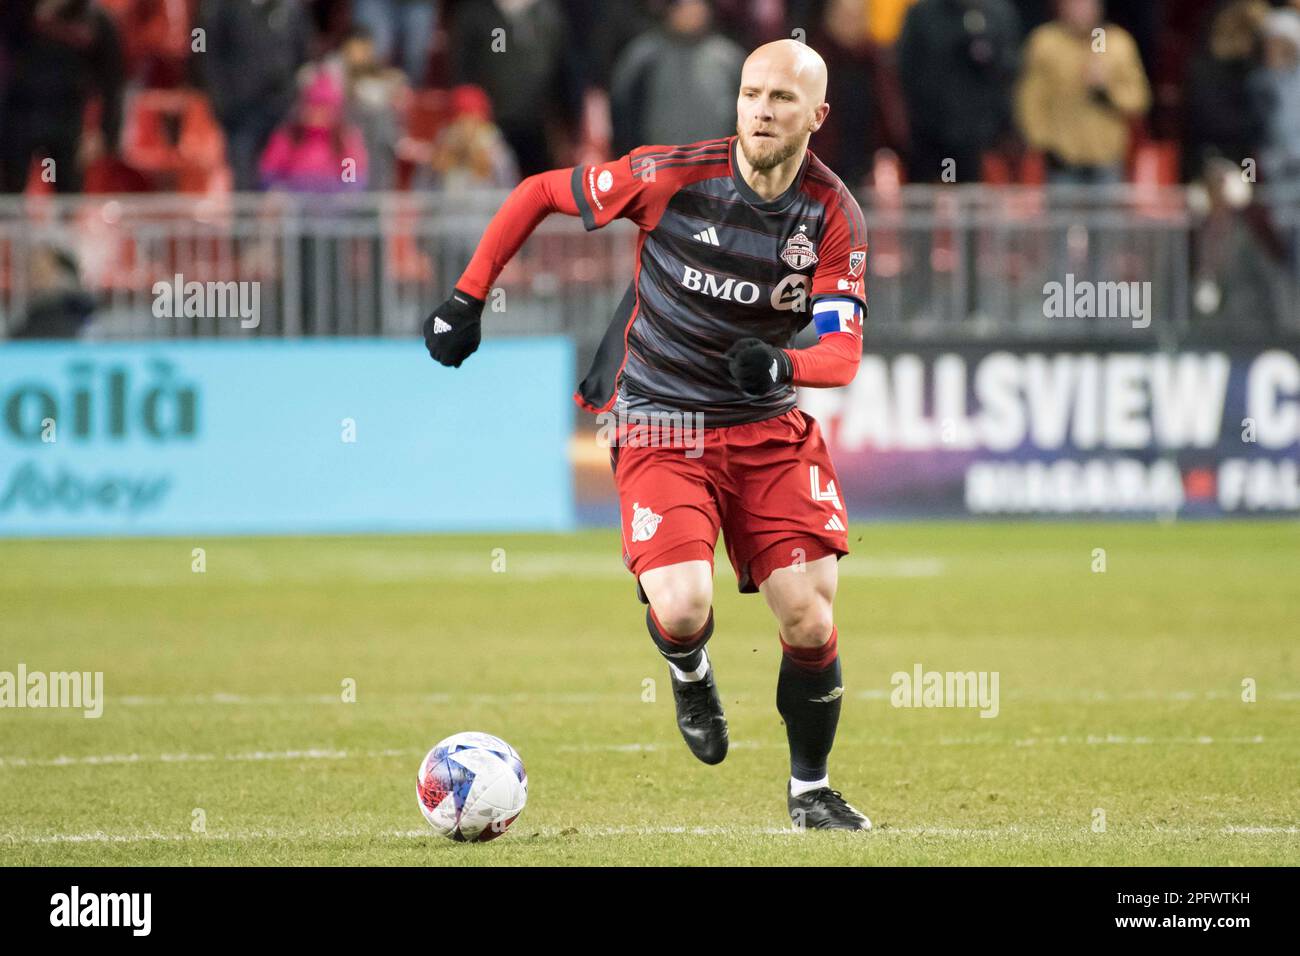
x=770 y=160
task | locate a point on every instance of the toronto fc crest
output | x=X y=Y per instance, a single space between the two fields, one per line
x=644 y=522
x=799 y=251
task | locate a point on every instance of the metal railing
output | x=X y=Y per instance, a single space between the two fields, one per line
x=946 y=264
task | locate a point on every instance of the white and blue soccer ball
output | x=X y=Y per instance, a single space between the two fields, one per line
x=471 y=787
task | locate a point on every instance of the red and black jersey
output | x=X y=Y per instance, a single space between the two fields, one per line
x=715 y=263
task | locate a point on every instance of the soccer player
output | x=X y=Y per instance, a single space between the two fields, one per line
x=741 y=237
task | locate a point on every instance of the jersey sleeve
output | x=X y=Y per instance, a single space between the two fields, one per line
x=842 y=265
x=623 y=188
x=527 y=205
x=839 y=301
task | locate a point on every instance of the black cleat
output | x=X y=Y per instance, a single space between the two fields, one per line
x=700 y=717
x=823 y=809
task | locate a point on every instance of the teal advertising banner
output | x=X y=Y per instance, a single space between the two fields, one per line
x=269 y=437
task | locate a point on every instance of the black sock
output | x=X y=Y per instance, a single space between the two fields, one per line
x=687 y=653
x=808 y=695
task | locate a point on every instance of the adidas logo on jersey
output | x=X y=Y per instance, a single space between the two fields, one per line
x=835 y=524
x=440 y=326
x=708 y=236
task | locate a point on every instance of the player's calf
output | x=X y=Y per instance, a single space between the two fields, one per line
x=808 y=695
x=700 y=718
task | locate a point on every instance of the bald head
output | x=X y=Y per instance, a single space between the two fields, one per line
x=781 y=102
x=799 y=64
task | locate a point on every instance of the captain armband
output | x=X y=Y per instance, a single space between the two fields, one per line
x=837 y=314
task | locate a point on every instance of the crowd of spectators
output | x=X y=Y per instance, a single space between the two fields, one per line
x=341 y=95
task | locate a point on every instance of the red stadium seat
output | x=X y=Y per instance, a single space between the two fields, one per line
x=1155 y=163
x=172 y=136
x=426 y=113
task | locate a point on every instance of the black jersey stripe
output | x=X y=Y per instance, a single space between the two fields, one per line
x=700 y=210
x=740 y=202
x=854 y=235
x=692 y=253
x=702 y=146
x=679 y=153
x=675 y=163
x=676 y=155
x=683 y=153
x=693 y=341
x=580 y=197
x=857 y=229
x=687 y=150
x=848 y=206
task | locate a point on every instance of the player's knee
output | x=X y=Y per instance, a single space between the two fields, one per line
x=682 y=611
x=807 y=623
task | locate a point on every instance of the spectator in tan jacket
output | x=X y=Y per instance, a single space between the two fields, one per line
x=1082 y=84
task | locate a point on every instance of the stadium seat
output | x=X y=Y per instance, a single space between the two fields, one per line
x=1028 y=169
x=426 y=113
x=886 y=255
x=172 y=136
x=1155 y=163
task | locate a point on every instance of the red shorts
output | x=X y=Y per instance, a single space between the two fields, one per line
x=769 y=486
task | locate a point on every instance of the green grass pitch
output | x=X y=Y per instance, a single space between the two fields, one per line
x=225 y=738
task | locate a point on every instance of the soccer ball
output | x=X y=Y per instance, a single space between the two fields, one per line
x=471 y=787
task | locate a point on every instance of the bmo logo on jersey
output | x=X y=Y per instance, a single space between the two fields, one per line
x=789 y=293
x=744 y=291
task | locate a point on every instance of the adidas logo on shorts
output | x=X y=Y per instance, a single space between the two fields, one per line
x=835 y=524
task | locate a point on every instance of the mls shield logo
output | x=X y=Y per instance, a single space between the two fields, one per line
x=644 y=523
x=856 y=262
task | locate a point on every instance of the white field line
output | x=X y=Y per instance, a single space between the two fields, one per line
x=634 y=696
x=1105 y=696
x=325 y=753
x=275 y=700
x=243 y=567
x=942 y=741
x=655 y=747
x=524 y=833
x=313 y=753
x=1123 y=739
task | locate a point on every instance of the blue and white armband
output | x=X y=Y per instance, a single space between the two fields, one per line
x=837 y=314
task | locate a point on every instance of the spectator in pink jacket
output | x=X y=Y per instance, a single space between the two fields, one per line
x=317 y=151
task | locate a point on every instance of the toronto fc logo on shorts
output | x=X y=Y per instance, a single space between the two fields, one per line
x=644 y=523
x=799 y=252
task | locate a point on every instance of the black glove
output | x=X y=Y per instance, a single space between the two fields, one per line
x=452 y=333
x=758 y=367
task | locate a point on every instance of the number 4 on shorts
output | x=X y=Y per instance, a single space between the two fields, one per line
x=823 y=494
